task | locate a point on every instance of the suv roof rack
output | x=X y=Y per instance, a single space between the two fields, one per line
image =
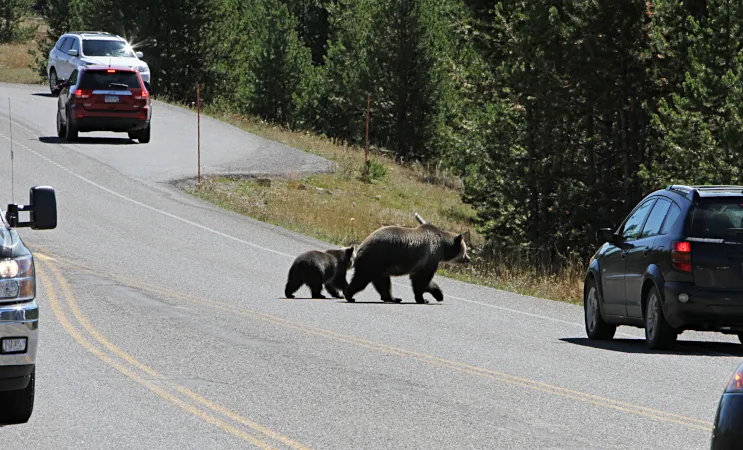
x=692 y=192
x=101 y=33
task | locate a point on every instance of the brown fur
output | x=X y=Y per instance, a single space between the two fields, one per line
x=395 y=251
x=317 y=269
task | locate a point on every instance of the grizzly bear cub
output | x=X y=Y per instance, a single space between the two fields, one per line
x=395 y=251
x=317 y=269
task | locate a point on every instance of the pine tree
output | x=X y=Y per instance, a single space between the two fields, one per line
x=410 y=60
x=12 y=13
x=700 y=125
x=60 y=17
x=281 y=65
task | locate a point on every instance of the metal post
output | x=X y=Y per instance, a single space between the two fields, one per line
x=366 y=153
x=12 y=168
x=198 y=131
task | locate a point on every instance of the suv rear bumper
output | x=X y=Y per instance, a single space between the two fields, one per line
x=116 y=124
x=17 y=321
x=705 y=310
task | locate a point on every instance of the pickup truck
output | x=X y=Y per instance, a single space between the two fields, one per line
x=19 y=313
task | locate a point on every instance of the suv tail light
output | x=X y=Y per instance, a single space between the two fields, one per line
x=141 y=95
x=81 y=93
x=681 y=256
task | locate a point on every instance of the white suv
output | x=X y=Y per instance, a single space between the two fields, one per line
x=87 y=48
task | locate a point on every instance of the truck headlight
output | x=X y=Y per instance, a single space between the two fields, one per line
x=17 y=278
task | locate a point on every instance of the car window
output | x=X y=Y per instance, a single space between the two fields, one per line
x=98 y=47
x=66 y=45
x=631 y=228
x=73 y=78
x=671 y=218
x=103 y=79
x=718 y=218
x=655 y=219
x=75 y=45
x=61 y=42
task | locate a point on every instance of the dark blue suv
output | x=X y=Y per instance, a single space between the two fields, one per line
x=674 y=264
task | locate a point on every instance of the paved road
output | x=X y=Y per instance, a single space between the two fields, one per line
x=163 y=327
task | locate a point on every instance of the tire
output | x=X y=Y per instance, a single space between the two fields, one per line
x=659 y=335
x=597 y=328
x=71 y=131
x=61 y=129
x=53 y=81
x=144 y=135
x=18 y=405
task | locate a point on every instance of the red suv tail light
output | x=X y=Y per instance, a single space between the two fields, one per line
x=141 y=95
x=81 y=93
x=681 y=256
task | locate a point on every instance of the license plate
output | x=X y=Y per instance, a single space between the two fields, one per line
x=112 y=99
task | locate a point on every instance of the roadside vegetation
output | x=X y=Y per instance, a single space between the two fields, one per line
x=531 y=122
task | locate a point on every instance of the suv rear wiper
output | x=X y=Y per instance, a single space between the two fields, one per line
x=736 y=230
x=119 y=85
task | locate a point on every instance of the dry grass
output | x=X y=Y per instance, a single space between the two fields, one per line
x=339 y=208
x=15 y=60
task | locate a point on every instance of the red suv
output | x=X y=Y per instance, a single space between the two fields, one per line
x=103 y=98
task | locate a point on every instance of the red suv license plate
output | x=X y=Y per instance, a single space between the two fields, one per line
x=112 y=99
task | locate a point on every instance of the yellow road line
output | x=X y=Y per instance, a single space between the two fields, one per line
x=152 y=372
x=72 y=331
x=618 y=405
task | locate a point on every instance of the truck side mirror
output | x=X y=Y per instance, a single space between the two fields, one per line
x=42 y=208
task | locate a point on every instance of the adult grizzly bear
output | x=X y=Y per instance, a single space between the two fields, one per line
x=395 y=251
x=317 y=269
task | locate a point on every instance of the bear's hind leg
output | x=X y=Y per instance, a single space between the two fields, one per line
x=316 y=289
x=292 y=285
x=383 y=285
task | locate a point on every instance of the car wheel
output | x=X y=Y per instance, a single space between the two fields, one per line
x=596 y=327
x=18 y=405
x=658 y=333
x=53 y=81
x=71 y=131
x=61 y=129
x=144 y=135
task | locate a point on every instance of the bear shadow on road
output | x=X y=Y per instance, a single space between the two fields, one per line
x=682 y=348
x=88 y=140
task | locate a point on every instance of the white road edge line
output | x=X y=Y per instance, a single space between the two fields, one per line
x=277 y=252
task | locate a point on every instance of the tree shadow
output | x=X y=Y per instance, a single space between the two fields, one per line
x=88 y=140
x=685 y=348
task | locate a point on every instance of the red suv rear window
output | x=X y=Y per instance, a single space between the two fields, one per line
x=718 y=218
x=102 y=79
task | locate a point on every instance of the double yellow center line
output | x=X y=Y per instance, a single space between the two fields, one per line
x=130 y=366
x=626 y=407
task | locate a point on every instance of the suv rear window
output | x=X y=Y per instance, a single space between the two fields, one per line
x=102 y=79
x=718 y=218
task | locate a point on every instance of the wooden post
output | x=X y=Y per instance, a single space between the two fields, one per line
x=366 y=153
x=198 y=132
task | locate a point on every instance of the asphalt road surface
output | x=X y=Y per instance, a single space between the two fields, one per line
x=163 y=326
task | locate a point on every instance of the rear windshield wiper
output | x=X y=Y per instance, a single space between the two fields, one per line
x=736 y=230
x=119 y=85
